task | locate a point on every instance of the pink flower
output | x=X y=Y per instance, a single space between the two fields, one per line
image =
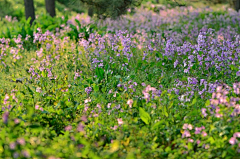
x=190 y=127
x=80 y=127
x=146 y=94
x=84 y=118
x=213 y=95
x=148 y=88
x=6 y=97
x=207 y=146
x=198 y=130
x=237 y=134
x=214 y=101
x=186 y=133
x=130 y=102
x=198 y=142
x=37 y=107
x=21 y=141
x=223 y=100
x=219 y=89
x=204 y=134
x=16 y=121
x=185 y=126
x=204 y=112
x=68 y=128
x=120 y=121
x=232 y=141
x=218 y=95
x=115 y=127
x=218 y=115
x=190 y=140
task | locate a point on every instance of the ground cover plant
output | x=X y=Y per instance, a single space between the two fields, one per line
x=149 y=85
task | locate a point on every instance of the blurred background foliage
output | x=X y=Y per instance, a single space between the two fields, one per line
x=15 y=8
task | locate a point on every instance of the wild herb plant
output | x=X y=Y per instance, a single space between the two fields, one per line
x=146 y=86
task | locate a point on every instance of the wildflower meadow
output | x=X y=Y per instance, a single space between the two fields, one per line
x=150 y=84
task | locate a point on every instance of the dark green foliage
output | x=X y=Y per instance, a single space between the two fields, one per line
x=111 y=8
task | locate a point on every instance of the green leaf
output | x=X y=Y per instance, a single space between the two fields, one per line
x=190 y=146
x=144 y=116
x=114 y=65
x=34 y=126
x=165 y=111
x=157 y=124
x=95 y=87
x=224 y=154
x=207 y=103
x=233 y=67
x=100 y=73
x=193 y=102
x=125 y=60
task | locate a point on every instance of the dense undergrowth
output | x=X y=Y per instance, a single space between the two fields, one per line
x=145 y=86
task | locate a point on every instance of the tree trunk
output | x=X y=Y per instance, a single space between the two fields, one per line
x=50 y=7
x=29 y=10
x=237 y=5
x=90 y=11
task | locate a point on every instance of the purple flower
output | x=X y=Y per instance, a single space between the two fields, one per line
x=15 y=155
x=25 y=153
x=119 y=85
x=238 y=73
x=88 y=90
x=39 y=53
x=80 y=146
x=5 y=117
x=175 y=63
x=12 y=145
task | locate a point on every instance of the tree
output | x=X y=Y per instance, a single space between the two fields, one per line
x=111 y=8
x=29 y=10
x=237 y=5
x=90 y=11
x=50 y=7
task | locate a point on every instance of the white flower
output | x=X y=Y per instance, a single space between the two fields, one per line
x=130 y=102
x=87 y=100
x=38 y=89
